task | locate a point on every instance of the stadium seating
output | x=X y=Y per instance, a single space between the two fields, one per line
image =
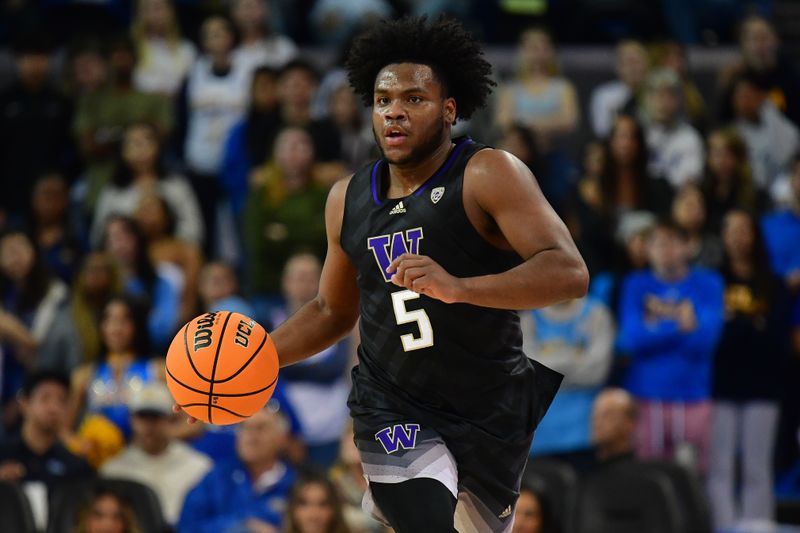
x=66 y=501
x=557 y=480
x=627 y=498
x=15 y=511
x=691 y=496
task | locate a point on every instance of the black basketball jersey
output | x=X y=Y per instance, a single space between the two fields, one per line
x=457 y=360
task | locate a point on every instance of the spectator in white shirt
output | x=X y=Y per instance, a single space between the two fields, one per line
x=164 y=56
x=676 y=149
x=168 y=466
x=259 y=46
x=771 y=139
x=611 y=97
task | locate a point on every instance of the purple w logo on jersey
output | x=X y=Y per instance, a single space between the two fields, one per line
x=387 y=248
x=398 y=436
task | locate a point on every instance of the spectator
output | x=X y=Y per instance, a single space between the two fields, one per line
x=689 y=212
x=35 y=327
x=520 y=141
x=169 y=467
x=86 y=71
x=297 y=83
x=348 y=476
x=333 y=21
x=670 y=319
x=676 y=149
x=34 y=129
x=284 y=211
x=782 y=233
x=728 y=181
x=544 y=101
x=355 y=133
x=107 y=511
x=102 y=117
x=590 y=224
x=260 y=45
x=315 y=507
x=248 y=492
x=154 y=285
x=164 y=56
x=140 y=172
x=629 y=255
x=219 y=290
x=213 y=99
x=168 y=251
x=534 y=513
x=760 y=53
x=96 y=284
x=746 y=377
x=249 y=140
x=37 y=453
x=317 y=387
x=537 y=95
x=105 y=387
x=574 y=338
x=614 y=420
x=612 y=97
x=58 y=245
x=672 y=55
x=771 y=138
x=625 y=184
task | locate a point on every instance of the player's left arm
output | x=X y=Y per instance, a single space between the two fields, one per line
x=552 y=271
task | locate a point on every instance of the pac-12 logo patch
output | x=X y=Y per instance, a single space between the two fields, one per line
x=436 y=194
x=398 y=436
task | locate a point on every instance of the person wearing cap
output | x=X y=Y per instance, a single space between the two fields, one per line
x=167 y=465
x=676 y=149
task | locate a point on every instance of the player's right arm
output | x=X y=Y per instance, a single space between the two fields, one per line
x=332 y=314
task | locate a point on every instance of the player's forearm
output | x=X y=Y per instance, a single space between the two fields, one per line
x=549 y=277
x=314 y=327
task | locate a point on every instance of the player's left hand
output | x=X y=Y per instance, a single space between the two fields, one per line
x=423 y=275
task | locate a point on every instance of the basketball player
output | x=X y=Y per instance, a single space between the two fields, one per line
x=435 y=246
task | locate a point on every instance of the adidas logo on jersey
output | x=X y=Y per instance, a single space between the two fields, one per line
x=398 y=209
x=506 y=513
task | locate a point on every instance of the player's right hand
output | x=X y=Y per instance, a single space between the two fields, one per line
x=189 y=418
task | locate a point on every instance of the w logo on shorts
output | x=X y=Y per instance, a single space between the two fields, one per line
x=398 y=436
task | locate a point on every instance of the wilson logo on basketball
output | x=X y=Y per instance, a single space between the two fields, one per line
x=202 y=336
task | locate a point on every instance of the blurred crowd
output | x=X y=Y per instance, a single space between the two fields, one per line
x=168 y=158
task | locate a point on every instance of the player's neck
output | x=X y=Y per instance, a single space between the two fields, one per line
x=405 y=178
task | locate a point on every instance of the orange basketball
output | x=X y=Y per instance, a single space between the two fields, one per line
x=222 y=367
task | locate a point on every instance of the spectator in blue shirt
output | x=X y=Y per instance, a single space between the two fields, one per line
x=248 y=493
x=782 y=235
x=575 y=338
x=670 y=320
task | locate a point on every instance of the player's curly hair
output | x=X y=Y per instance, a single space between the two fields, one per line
x=453 y=54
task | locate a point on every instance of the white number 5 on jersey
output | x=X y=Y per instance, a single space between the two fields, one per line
x=404 y=316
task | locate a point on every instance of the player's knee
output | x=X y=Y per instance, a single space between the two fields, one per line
x=415 y=505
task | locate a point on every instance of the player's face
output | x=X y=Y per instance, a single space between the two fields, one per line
x=410 y=113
